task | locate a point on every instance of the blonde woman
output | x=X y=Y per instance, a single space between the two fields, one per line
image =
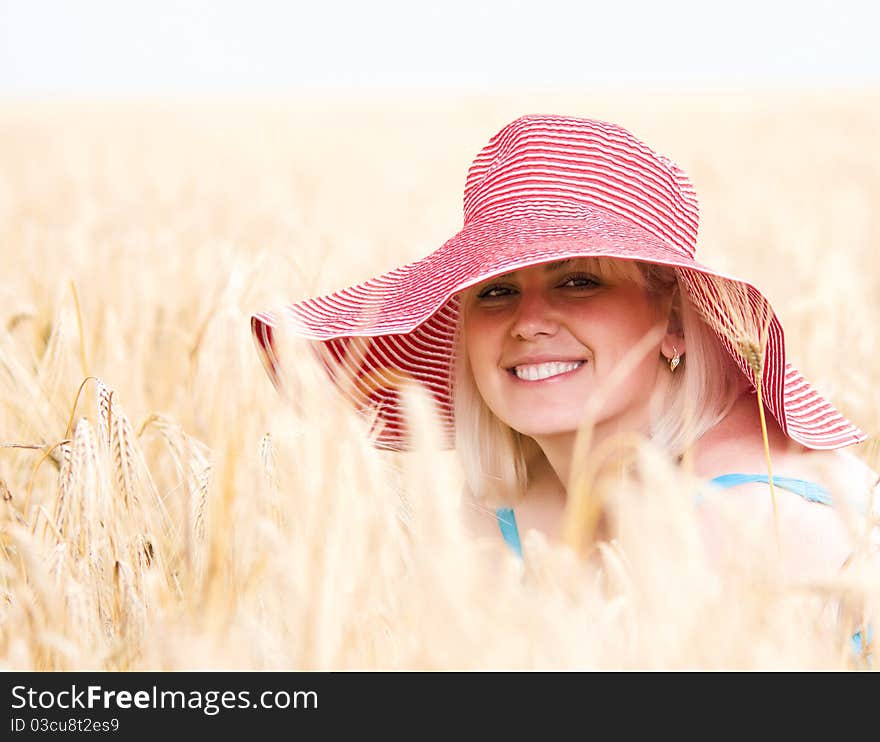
x=573 y=289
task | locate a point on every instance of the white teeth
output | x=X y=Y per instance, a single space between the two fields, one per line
x=538 y=371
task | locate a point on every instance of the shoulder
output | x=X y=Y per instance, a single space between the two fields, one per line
x=736 y=445
x=846 y=474
x=815 y=540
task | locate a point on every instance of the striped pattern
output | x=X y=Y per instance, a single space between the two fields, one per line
x=544 y=188
x=553 y=166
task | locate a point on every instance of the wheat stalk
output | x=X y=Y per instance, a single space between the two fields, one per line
x=79 y=325
x=105 y=412
x=203 y=483
x=66 y=480
x=191 y=461
x=47 y=454
x=124 y=457
x=582 y=507
x=18 y=317
x=76 y=397
x=744 y=320
x=270 y=472
x=338 y=583
x=85 y=471
x=52 y=360
x=267 y=458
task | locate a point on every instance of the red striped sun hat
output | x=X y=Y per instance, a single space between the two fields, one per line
x=543 y=189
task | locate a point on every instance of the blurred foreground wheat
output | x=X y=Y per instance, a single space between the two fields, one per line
x=163 y=510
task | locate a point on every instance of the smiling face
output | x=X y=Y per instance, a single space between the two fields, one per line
x=541 y=340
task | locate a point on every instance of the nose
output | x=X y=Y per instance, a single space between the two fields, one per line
x=534 y=316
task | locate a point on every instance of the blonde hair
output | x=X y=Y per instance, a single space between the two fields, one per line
x=496 y=458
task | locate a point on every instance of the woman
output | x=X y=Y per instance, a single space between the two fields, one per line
x=572 y=292
x=535 y=340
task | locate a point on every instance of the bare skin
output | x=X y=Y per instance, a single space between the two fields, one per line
x=583 y=322
x=814 y=540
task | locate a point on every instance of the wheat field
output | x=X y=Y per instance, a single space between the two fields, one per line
x=175 y=515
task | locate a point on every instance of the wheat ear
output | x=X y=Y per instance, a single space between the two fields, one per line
x=746 y=326
x=124 y=458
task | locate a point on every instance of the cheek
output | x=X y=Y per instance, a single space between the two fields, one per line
x=626 y=322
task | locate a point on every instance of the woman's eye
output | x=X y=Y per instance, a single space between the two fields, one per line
x=581 y=280
x=494 y=292
x=577 y=280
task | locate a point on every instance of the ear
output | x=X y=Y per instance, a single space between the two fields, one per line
x=674 y=341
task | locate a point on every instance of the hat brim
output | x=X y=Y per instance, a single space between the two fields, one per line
x=401 y=325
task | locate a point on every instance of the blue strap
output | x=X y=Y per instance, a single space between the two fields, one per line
x=507 y=524
x=858 y=644
x=808 y=490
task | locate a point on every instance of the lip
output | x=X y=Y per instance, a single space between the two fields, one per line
x=530 y=360
x=550 y=379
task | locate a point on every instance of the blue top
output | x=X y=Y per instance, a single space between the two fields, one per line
x=808 y=490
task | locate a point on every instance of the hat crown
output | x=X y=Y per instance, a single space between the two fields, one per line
x=558 y=167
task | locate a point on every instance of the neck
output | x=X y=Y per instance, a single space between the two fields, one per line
x=634 y=420
x=736 y=432
x=559 y=448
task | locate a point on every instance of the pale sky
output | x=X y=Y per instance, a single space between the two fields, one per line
x=156 y=46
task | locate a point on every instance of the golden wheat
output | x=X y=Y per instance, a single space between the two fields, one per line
x=237 y=528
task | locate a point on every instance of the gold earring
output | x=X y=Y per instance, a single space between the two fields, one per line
x=675 y=360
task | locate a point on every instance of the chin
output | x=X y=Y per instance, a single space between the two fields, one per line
x=544 y=428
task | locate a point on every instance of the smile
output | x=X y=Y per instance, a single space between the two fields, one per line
x=541 y=371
